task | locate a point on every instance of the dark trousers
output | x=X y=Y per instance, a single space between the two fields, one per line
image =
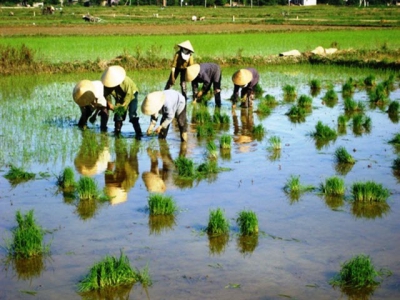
x=182 y=124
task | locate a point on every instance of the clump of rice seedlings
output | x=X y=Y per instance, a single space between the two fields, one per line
x=293 y=186
x=18 y=175
x=324 y=132
x=212 y=149
x=395 y=139
x=343 y=157
x=342 y=121
x=247 y=222
x=330 y=97
x=112 y=272
x=333 y=186
x=289 y=92
x=369 y=191
x=389 y=83
x=393 y=108
x=225 y=141
x=379 y=95
x=361 y=121
x=185 y=167
x=348 y=87
x=315 y=84
x=66 y=180
x=351 y=105
x=296 y=112
x=207 y=168
x=205 y=130
x=119 y=110
x=218 y=224
x=27 y=237
x=396 y=164
x=270 y=100
x=370 y=81
x=87 y=188
x=258 y=91
x=275 y=143
x=161 y=205
x=304 y=101
x=219 y=118
x=201 y=116
x=358 y=272
x=263 y=108
x=258 y=130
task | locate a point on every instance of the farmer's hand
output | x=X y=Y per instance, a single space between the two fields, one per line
x=199 y=94
x=158 y=129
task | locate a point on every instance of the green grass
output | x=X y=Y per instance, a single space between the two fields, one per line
x=112 y=272
x=315 y=85
x=87 y=188
x=293 y=186
x=258 y=130
x=333 y=186
x=66 y=180
x=205 y=130
x=248 y=222
x=330 y=98
x=18 y=175
x=207 y=168
x=225 y=141
x=369 y=191
x=370 y=80
x=351 y=105
x=212 y=149
x=324 y=132
x=27 y=238
x=185 y=167
x=218 y=224
x=343 y=156
x=342 y=122
x=361 y=122
x=289 y=92
x=304 y=101
x=379 y=94
x=161 y=204
x=275 y=143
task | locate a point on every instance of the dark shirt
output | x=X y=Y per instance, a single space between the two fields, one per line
x=209 y=73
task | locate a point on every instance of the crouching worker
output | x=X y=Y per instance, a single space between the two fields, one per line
x=245 y=79
x=207 y=74
x=125 y=92
x=169 y=104
x=89 y=96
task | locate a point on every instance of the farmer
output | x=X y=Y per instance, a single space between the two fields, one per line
x=169 y=104
x=207 y=74
x=89 y=96
x=125 y=93
x=245 y=79
x=183 y=58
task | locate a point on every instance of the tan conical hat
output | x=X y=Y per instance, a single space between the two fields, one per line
x=242 y=77
x=186 y=45
x=99 y=93
x=192 y=72
x=153 y=182
x=83 y=93
x=117 y=194
x=153 y=103
x=113 y=76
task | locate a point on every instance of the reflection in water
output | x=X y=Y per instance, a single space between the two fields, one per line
x=358 y=294
x=334 y=202
x=161 y=223
x=110 y=293
x=343 y=168
x=370 y=210
x=218 y=244
x=27 y=268
x=247 y=243
x=275 y=154
x=121 y=175
x=87 y=208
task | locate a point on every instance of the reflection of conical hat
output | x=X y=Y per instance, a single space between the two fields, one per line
x=99 y=167
x=117 y=194
x=242 y=77
x=113 y=76
x=153 y=182
x=192 y=72
x=99 y=93
x=186 y=45
x=243 y=139
x=153 y=103
x=83 y=93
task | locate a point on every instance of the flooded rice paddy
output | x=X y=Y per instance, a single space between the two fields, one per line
x=302 y=240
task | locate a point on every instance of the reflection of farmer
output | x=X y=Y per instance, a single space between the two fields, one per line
x=125 y=93
x=243 y=133
x=245 y=79
x=152 y=180
x=89 y=96
x=207 y=74
x=169 y=104
x=122 y=174
x=183 y=58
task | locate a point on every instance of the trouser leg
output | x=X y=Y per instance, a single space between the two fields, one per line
x=86 y=112
x=182 y=125
x=104 y=119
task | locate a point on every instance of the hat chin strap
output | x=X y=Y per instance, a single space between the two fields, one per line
x=185 y=56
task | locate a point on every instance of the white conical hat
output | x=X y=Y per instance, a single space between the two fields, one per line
x=192 y=72
x=242 y=77
x=153 y=103
x=186 y=45
x=113 y=76
x=83 y=92
x=99 y=93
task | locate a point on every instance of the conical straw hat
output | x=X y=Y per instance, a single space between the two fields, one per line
x=83 y=93
x=117 y=194
x=242 y=77
x=99 y=93
x=113 y=76
x=153 y=182
x=186 y=45
x=153 y=103
x=192 y=72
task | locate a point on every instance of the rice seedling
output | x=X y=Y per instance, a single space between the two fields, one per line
x=379 y=95
x=275 y=143
x=212 y=149
x=225 y=141
x=218 y=224
x=289 y=92
x=358 y=272
x=343 y=157
x=389 y=83
x=361 y=121
x=207 y=168
x=396 y=164
x=342 y=121
x=353 y=106
x=370 y=80
x=348 y=87
x=66 y=179
x=304 y=101
x=395 y=140
x=27 y=238
x=270 y=100
x=258 y=91
x=263 y=108
x=324 y=132
x=159 y=204
x=293 y=186
x=333 y=186
x=87 y=188
x=247 y=222
x=219 y=118
x=296 y=112
x=369 y=191
x=185 y=167
x=111 y=272
x=205 y=130
x=18 y=175
x=393 y=108
x=119 y=110
x=258 y=130
x=201 y=115
x=330 y=97
x=315 y=84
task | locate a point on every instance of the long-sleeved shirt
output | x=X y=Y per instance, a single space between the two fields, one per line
x=174 y=104
x=123 y=93
x=249 y=87
x=209 y=73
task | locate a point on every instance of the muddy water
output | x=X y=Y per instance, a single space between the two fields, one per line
x=301 y=244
